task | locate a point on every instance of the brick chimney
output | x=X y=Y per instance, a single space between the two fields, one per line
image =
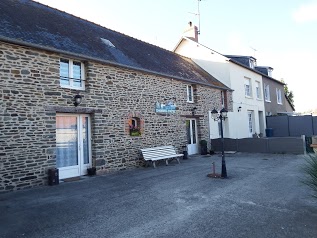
x=191 y=32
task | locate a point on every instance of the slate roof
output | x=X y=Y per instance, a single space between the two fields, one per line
x=244 y=62
x=29 y=22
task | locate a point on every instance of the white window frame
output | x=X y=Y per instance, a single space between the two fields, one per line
x=269 y=72
x=247 y=87
x=258 y=90
x=252 y=63
x=267 y=93
x=222 y=99
x=190 y=93
x=70 y=76
x=279 y=96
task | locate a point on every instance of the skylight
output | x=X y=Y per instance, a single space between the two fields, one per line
x=107 y=42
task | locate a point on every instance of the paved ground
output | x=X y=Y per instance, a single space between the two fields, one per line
x=263 y=197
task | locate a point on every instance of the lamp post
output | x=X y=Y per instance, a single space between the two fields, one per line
x=221 y=116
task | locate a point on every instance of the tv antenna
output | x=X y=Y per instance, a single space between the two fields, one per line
x=198 y=15
x=254 y=50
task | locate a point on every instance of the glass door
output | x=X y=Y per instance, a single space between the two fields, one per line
x=191 y=130
x=250 y=123
x=72 y=144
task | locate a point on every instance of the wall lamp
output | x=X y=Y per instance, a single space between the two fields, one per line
x=194 y=110
x=77 y=100
x=239 y=108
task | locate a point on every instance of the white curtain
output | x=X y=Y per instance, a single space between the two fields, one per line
x=66 y=141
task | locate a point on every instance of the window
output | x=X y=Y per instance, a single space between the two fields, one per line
x=258 y=90
x=252 y=63
x=71 y=74
x=224 y=99
x=279 y=96
x=190 y=93
x=269 y=72
x=135 y=126
x=267 y=93
x=247 y=87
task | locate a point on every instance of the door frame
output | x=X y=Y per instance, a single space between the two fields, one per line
x=192 y=148
x=81 y=168
x=252 y=123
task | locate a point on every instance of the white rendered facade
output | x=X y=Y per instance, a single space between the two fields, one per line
x=248 y=116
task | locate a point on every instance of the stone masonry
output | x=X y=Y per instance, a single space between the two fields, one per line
x=31 y=96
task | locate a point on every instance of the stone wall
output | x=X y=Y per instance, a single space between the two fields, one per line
x=30 y=97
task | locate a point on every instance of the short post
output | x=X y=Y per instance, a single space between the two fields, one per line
x=213 y=168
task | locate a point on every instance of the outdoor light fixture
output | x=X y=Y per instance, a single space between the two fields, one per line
x=77 y=100
x=194 y=110
x=221 y=116
x=239 y=108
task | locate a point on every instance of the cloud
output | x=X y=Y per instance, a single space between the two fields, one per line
x=306 y=13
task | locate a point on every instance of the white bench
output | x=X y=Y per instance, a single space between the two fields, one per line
x=160 y=153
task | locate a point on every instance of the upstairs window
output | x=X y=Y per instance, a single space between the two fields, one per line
x=267 y=93
x=247 y=87
x=224 y=99
x=279 y=96
x=269 y=72
x=258 y=90
x=190 y=93
x=71 y=74
x=252 y=63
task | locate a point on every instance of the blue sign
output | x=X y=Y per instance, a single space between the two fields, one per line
x=169 y=107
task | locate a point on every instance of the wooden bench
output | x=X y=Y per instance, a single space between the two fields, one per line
x=160 y=153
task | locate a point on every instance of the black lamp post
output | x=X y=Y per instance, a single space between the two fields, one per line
x=221 y=116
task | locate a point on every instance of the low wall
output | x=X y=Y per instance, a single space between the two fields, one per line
x=277 y=145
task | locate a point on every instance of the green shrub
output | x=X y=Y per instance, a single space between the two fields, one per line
x=203 y=143
x=311 y=170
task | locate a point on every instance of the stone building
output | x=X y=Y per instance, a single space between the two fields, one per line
x=133 y=95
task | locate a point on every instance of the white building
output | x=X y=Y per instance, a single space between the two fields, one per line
x=248 y=115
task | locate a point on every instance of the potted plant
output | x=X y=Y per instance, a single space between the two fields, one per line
x=203 y=147
x=134 y=131
x=91 y=171
x=212 y=150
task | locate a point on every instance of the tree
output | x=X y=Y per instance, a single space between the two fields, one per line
x=289 y=93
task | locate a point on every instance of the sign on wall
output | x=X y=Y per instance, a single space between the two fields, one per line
x=168 y=107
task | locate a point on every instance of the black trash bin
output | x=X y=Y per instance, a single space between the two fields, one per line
x=269 y=132
x=53 y=177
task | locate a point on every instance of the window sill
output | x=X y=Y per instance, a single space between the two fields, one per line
x=248 y=97
x=70 y=87
x=190 y=101
x=267 y=101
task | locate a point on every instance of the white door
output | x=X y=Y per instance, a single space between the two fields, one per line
x=250 y=123
x=191 y=129
x=73 y=154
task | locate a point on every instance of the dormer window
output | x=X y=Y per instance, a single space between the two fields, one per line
x=252 y=63
x=71 y=74
x=269 y=72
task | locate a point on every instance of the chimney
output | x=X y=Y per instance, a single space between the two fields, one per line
x=191 y=32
